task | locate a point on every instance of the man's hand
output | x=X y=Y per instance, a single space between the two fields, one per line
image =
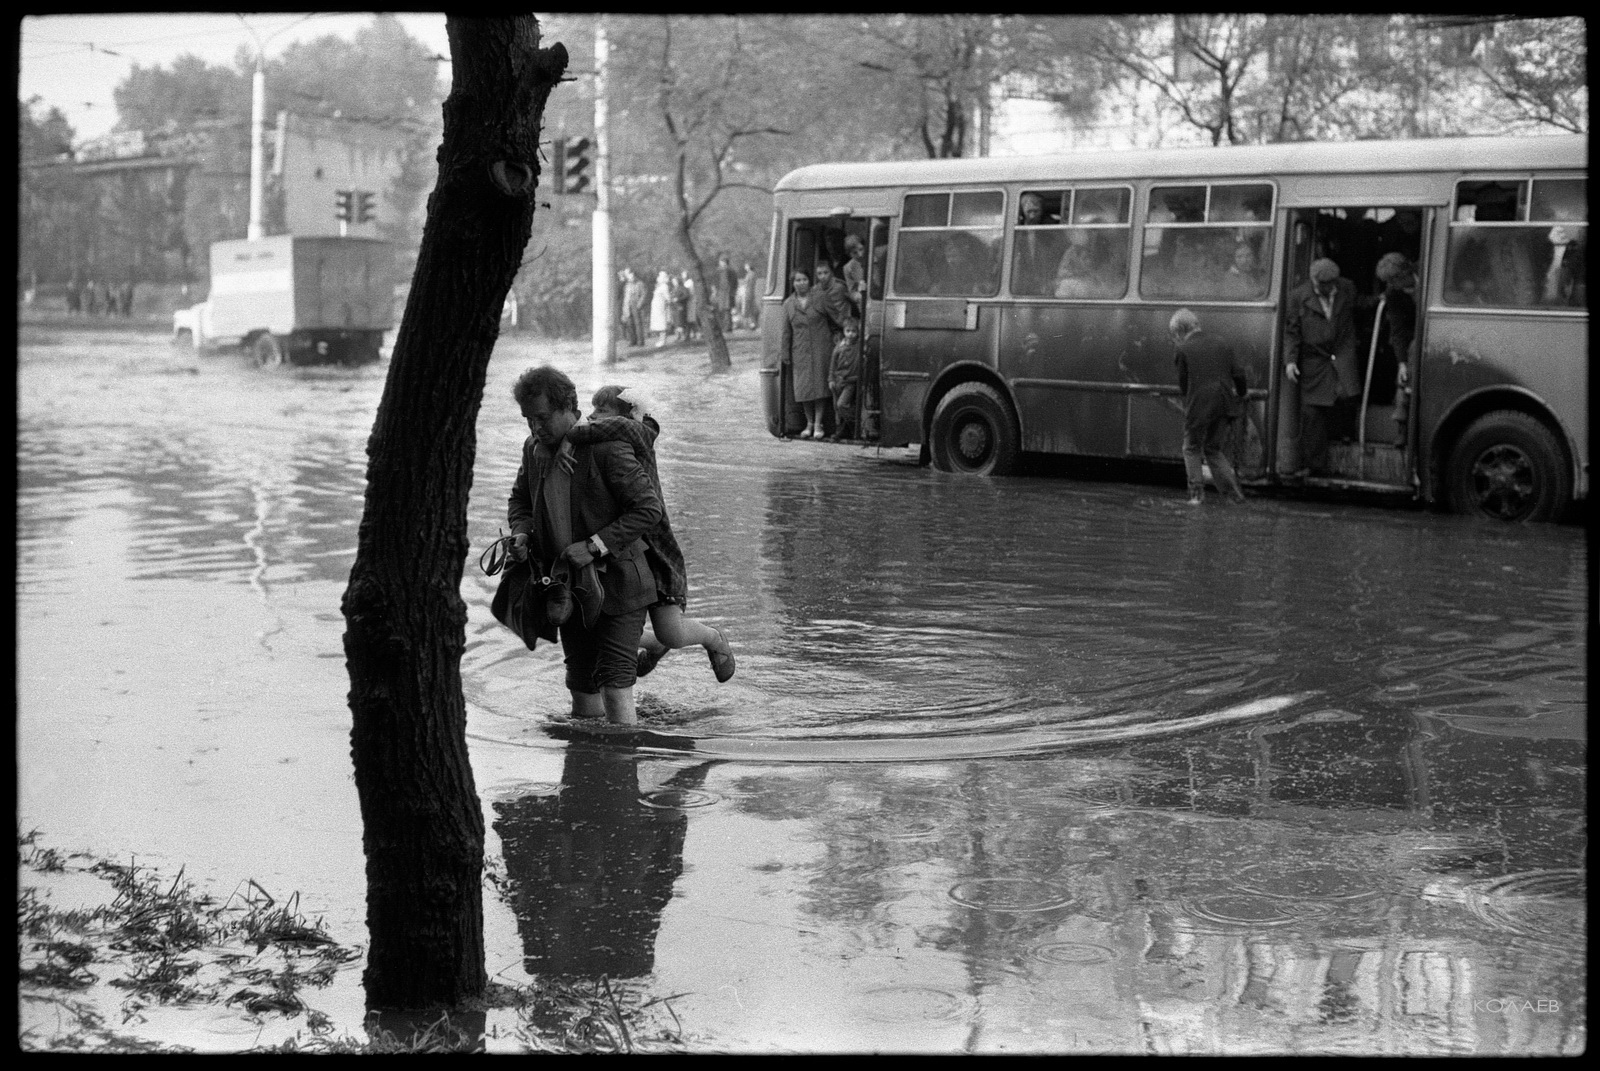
x=519 y=547
x=1405 y=374
x=1294 y=372
x=577 y=555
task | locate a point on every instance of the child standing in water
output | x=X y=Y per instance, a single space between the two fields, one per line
x=619 y=417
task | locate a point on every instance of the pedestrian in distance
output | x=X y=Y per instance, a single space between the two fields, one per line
x=1319 y=353
x=1213 y=383
x=585 y=508
x=680 y=308
x=620 y=415
x=661 y=309
x=636 y=307
x=748 y=286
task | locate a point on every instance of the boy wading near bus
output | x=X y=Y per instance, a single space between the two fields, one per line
x=1213 y=383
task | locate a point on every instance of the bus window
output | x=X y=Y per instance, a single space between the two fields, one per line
x=950 y=244
x=1519 y=244
x=1084 y=258
x=1208 y=243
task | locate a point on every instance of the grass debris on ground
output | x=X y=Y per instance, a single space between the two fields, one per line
x=89 y=976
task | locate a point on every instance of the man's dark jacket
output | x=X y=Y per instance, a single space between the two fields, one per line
x=612 y=497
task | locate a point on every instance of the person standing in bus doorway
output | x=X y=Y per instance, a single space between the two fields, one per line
x=855 y=270
x=1319 y=352
x=806 y=346
x=1398 y=331
x=1213 y=383
x=844 y=372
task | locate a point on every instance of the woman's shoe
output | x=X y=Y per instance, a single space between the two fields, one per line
x=721 y=663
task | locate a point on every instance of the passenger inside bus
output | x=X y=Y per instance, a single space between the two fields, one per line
x=946 y=264
x=1037 y=252
x=1244 y=278
x=1524 y=266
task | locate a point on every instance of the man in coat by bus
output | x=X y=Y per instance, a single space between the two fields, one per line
x=1319 y=353
x=1213 y=383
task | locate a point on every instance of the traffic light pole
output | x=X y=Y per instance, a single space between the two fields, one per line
x=603 y=329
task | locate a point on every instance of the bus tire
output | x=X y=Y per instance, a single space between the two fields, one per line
x=973 y=432
x=266 y=350
x=1509 y=467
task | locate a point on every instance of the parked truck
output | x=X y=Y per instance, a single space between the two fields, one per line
x=300 y=300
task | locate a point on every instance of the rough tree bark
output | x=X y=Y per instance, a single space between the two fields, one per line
x=405 y=619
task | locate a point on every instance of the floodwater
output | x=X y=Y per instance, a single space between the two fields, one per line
x=1024 y=765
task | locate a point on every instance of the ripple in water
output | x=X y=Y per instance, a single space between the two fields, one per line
x=1242 y=912
x=913 y=1004
x=1543 y=904
x=1073 y=954
x=679 y=799
x=1324 y=883
x=1010 y=894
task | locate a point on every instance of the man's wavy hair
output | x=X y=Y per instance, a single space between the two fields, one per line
x=558 y=390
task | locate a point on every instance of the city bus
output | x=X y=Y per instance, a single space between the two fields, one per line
x=1021 y=305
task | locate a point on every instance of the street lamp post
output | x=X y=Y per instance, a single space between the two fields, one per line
x=258 y=113
x=604 y=320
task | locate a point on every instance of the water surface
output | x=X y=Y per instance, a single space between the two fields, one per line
x=1025 y=765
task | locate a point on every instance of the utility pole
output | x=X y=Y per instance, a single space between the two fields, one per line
x=258 y=119
x=603 y=328
x=258 y=108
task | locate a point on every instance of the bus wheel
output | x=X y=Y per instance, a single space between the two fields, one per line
x=974 y=432
x=266 y=350
x=1509 y=467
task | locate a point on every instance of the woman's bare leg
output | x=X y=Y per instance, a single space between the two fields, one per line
x=675 y=630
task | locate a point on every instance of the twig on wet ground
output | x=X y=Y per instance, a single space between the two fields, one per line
x=161 y=941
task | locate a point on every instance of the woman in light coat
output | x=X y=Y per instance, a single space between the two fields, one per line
x=807 y=347
x=660 y=308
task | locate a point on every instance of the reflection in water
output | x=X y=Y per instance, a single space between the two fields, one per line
x=591 y=867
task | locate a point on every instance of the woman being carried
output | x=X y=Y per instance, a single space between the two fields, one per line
x=621 y=418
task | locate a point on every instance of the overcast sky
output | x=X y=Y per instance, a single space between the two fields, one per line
x=75 y=61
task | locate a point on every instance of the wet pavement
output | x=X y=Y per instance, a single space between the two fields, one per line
x=1025 y=765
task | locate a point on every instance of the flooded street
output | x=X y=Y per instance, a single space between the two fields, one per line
x=1023 y=765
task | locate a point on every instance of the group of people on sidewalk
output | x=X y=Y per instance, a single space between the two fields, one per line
x=587 y=498
x=671 y=310
x=99 y=298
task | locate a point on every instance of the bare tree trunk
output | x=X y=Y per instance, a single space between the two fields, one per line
x=405 y=620
x=710 y=326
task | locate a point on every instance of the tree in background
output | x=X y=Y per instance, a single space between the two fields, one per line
x=405 y=619
x=1539 y=68
x=938 y=75
x=49 y=202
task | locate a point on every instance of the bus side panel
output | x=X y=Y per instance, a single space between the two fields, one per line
x=912 y=358
x=1468 y=352
x=1100 y=379
x=1062 y=353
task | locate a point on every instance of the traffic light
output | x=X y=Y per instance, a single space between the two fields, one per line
x=368 y=209
x=572 y=165
x=342 y=204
